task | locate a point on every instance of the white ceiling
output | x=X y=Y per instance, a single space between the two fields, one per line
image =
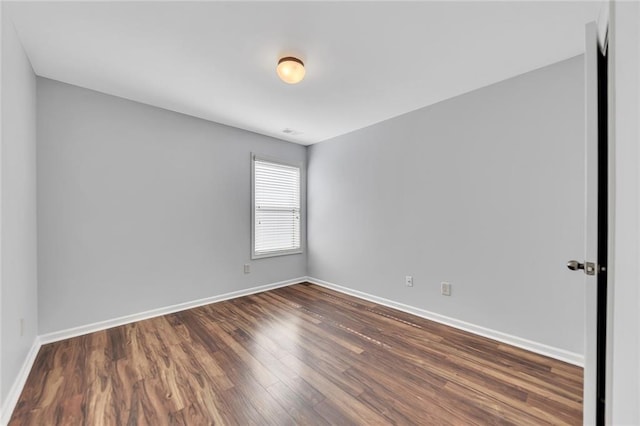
x=366 y=61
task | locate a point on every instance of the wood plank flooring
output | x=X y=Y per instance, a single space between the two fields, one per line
x=296 y=355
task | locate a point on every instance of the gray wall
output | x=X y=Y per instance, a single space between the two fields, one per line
x=142 y=208
x=484 y=190
x=18 y=218
x=624 y=251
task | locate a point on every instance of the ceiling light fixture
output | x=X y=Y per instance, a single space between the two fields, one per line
x=290 y=70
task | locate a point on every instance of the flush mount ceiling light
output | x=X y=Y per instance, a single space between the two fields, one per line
x=290 y=70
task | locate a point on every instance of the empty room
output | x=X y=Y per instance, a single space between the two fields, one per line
x=277 y=213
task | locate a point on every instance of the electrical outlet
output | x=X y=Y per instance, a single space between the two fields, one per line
x=408 y=280
x=247 y=268
x=21 y=327
x=445 y=288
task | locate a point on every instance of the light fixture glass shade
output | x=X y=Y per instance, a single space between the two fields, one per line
x=290 y=70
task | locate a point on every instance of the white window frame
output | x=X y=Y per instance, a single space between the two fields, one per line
x=299 y=250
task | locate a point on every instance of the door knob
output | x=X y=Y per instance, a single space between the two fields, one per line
x=574 y=265
x=589 y=268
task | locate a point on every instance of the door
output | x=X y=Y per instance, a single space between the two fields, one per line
x=594 y=265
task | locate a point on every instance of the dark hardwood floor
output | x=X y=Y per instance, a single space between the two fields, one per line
x=295 y=355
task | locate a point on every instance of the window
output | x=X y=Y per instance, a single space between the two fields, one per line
x=276 y=208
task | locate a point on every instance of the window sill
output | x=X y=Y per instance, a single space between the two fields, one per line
x=255 y=256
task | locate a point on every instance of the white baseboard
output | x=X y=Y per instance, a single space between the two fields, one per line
x=128 y=319
x=9 y=403
x=539 y=348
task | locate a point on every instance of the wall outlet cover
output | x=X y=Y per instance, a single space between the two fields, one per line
x=445 y=288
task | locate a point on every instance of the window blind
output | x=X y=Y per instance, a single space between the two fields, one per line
x=276 y=208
